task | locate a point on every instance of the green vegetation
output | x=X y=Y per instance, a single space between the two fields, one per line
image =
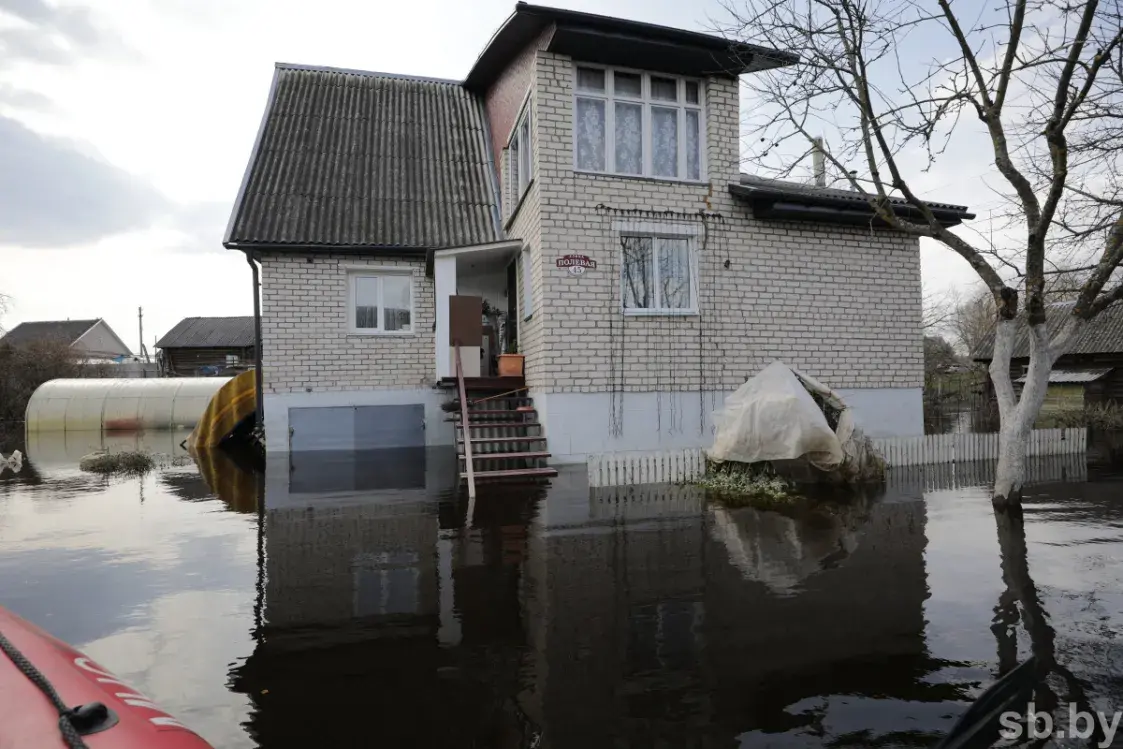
x=122 y=463
x=740 y=485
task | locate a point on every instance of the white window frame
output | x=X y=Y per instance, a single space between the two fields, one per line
x=667 y=231
x=526 y=270
x=519 y=142
x=380 y=272
x=609 y=97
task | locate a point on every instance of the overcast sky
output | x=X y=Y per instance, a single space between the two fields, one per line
x=125 y=126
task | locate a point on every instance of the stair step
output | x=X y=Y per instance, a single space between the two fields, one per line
x=514 y=473
x=497 y=424
x=505 y=456
x=494 y=440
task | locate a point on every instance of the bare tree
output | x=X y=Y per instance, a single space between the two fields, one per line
x=1044 y=81
x=972 y=320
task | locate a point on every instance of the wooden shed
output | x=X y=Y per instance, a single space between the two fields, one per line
x=207 y=346
x=1091 y=371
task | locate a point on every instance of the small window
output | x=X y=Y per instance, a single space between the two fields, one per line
x=382 y=303
x=233 y=360
x=657 y=274
x=590 y=79
x=628 y=84
x=664 y=89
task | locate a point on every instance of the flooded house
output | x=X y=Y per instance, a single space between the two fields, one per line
x=589 y=196
x=1090 y=372
x=207 y=346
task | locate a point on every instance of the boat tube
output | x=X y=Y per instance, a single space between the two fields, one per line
x=53 y=697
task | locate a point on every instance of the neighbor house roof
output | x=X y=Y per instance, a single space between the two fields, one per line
x=1102 y=335
x=209 y=332
x=1072 y=376
x=352 y=160
x=780 y=199
x=67 y=331
x=617 y=41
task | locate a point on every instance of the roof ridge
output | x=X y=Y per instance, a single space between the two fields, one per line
x=364 y=73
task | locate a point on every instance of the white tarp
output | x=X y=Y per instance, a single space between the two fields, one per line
x=773 y=417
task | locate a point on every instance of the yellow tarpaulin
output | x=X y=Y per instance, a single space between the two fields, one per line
x=230 y=405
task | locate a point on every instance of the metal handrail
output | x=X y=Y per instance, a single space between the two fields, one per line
x=464 y=426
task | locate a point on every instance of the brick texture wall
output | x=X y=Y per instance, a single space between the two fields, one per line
x=304 y=328
x=841 y=303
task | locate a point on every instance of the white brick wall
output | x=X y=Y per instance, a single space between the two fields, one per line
x=304 y=328
x=842 y=303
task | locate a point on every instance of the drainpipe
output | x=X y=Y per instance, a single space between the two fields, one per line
x=259 y=390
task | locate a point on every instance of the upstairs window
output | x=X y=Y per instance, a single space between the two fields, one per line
x=637 y=124
x=521 y=157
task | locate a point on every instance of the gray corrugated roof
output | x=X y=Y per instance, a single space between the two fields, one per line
x=351 y=159
x=57 y=330
x=209 y=332
x=1072 y=376
x=833 y=193
x=1102 y=335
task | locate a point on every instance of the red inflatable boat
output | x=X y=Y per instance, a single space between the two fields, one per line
x=53 y=697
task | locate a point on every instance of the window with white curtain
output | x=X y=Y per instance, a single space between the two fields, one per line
x=381 y=303
x=657 y=274
x=528 y=284
x=637 y=124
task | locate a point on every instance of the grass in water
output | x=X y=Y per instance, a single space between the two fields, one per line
x=740 y=485
x=123 y=463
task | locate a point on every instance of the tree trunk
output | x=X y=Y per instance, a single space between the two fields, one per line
x=1017 y=416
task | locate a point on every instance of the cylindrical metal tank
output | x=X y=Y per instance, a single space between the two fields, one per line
x=124 y=404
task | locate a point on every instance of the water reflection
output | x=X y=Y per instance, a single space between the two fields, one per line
x=384 y=608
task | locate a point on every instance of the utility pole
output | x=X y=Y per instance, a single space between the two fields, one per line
x=143 y=352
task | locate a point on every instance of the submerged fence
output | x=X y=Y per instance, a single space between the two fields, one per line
x=956 y=448
x=934 y=450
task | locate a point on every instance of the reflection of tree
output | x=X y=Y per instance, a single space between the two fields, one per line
x=637 y=272
x=1021 y=589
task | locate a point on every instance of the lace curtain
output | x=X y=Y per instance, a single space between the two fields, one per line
x=590 y=134
x=629 y=138
x=664 y=142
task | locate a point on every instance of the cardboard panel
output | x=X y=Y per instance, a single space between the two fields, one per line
x=465 y=320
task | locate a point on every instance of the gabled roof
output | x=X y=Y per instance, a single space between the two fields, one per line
x=66 y=331
x=353 y=160
x=210 y=332
x=1102 y=335
x=783 y=200
x=588 y=37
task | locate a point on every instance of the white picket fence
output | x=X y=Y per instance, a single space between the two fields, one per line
x=631 y=468
x=963 y=448
x=677 y=466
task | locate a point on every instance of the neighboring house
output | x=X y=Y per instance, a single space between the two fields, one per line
x=207 y=345
x=371 y=198
x=89 y=339
x=1091 y=371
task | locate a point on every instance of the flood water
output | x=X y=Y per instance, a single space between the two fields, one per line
x=339 y=602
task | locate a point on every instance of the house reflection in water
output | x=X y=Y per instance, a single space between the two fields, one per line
x=561 y=617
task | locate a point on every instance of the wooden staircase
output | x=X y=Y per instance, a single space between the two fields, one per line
x=505 y=439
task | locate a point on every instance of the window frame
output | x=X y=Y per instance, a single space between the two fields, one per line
x=656 y=230
x=519 y=143
x=379 y=272
x=610 y=99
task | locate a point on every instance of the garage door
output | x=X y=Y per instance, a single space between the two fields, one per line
x=357 y=427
